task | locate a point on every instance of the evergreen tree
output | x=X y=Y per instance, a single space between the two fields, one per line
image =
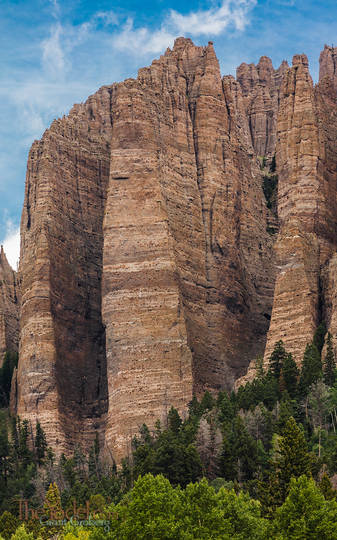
x=207 y=402
x=52 y=505
x=277 y=358
x=294 y=459
x=174 y=420
x=326 y=488
x=329 y=367
x=311 y=369
x=319 y=336
x=40 y=443
x=305 y=513
x=290 y=375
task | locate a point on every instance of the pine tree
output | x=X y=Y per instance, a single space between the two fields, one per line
x=294 y=459
x=329 y=367
x=326 y=488
x=277 y=358
x=290 y=375
x=311 y=369
x=52 y=505
x=174 y=420
x=319 y=336
x=40 y=443
x=207 y=402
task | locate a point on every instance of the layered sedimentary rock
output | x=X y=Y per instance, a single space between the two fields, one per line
x=62 y=367
x=261 y=90
x=306 y=157
x=148 y=260
x=146 y=266
x=328 y=66
x=9 y=307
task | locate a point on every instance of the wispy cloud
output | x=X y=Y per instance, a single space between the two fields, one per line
x=213 y=21
x=230 y=14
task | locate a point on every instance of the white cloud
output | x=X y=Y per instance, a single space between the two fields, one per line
x=11 y=244
x=213 y=21
x=107 y=17
x=230 y=14
x=142 y=40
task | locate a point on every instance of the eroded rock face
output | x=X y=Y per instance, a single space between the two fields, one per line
x=9 y=307
x=306 y=245
x=146 y=266
x=261 y=90
x=147 y=262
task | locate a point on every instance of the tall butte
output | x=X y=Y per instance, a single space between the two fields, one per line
x=147 y=254
x=146 y=265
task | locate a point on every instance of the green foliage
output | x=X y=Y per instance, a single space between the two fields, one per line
x=22 y=534
x=40 y=443
x=10 y=362
x=290 y=375
x=311 y=369
x=170 y=452
x=329 y=366
x=269 y=186
x=155 y=510
x=277 y=359
x=8 y=525
x=305 y=513
x=52 y=506
x=294 y=459
x=318 y=339
x=326 y=488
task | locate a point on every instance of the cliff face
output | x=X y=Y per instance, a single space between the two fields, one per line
x=261 y=90
x=146 y=266
x=306 y=157
x=148 y=260
x=9 y=307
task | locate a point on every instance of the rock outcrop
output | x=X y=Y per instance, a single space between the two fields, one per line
x=150 y=250
x=261 y=90
x=306 y=156
x=9 y=307
x=147 y=269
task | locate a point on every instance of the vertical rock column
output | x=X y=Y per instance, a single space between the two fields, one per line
x=295 y=312
x=149 y=361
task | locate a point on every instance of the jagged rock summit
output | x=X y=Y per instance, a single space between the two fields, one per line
x=149 y=244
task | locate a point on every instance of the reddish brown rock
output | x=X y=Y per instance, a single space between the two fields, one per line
x=261 y=89
x=151 y=188
x=9 y=307
x=307 y=209
x=147 y=267
x=328 y=65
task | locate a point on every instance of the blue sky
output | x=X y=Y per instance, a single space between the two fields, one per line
x=55 y=53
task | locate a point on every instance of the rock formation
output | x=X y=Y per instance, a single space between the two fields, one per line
x=146 y=265
x=306 y=156
x=147 y=244
x=261 y=90
x=9 y=307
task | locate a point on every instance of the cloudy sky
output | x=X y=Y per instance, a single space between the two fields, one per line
x=56 y=52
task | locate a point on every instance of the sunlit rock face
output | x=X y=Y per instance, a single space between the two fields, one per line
x=147 y=262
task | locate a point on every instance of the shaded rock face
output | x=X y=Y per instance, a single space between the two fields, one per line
x=147 y=270
x=9 y=307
